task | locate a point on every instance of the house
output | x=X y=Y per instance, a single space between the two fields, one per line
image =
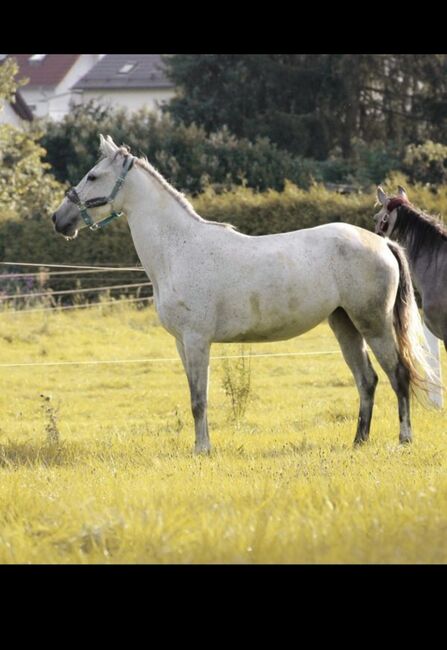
x=131 y=81
x=16 y=112
x=49 y=91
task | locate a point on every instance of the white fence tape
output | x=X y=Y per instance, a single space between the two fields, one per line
x=39 y=274
x=163 y=359
x=13 y=296
x=88 y=305
x=71 y=266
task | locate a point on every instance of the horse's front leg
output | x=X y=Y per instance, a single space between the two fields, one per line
x=195 y=354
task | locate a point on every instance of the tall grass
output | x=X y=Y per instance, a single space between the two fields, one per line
x=122 y=484
x=236 y=382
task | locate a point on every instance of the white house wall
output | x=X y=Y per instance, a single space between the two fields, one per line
x=54 y=101
x=9 y=116
x=37 y=99
x=133 y=99
x=59 y=104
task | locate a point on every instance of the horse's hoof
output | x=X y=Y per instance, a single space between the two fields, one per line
x=405 y=440
x=202 y=451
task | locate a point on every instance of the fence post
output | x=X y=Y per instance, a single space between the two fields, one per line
x=434 y=344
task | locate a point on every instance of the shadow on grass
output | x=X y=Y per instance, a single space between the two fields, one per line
x=14 y=455
x=31 y=454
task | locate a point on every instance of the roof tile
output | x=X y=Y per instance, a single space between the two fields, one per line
x=48 y=72
x=148 y=72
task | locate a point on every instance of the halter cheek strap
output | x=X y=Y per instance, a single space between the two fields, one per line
x=97 y=202
x=392 y=205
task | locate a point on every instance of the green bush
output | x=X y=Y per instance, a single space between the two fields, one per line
x=185 y=155
x=426 y=163
x=192 y=160
x=368 y=166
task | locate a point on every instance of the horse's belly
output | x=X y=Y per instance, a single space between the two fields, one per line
x=271 y=327
x=274 y=334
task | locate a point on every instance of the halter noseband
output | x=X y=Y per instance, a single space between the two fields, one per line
x=97 y=202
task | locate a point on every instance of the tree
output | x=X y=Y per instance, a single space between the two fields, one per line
x=8 y=83
x=26 y=188
x=315 y=105
x=269 y=95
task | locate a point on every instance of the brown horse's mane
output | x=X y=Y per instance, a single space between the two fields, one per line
x=418 y=231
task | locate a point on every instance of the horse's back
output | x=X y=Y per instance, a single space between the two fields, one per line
x=293 y=281
x=323 y=239
x=340 y=251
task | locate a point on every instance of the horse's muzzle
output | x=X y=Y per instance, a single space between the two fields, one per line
x=68 y=230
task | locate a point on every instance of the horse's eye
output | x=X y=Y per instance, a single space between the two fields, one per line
x=91 y=177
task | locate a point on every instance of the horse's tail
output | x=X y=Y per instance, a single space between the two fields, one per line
x=412 y=344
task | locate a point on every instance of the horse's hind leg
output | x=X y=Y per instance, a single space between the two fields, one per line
x=195 y=354
x=385 y=349
x=354 y=352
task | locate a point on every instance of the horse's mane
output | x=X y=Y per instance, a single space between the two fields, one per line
x=144 y=163
x=417 y=230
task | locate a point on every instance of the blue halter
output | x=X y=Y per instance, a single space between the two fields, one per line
x=73 y=196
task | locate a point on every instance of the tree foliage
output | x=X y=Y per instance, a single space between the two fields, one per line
x=315 y=105
x=27 y=189
x=426 y=163
x=8 y=82
x=186 y=155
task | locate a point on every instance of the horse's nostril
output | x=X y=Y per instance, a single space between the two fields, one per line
x=54 y=218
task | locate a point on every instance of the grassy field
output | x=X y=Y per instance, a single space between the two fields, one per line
x=103 y=471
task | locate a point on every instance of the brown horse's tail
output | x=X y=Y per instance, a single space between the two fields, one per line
x=412 y=344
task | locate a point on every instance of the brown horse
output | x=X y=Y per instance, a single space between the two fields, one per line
x=424 y=239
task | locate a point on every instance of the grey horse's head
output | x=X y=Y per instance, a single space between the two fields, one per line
x=90 y=200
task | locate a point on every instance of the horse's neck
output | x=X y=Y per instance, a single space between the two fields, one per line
x=421 y=266
x=417 y=273
x=159 y=224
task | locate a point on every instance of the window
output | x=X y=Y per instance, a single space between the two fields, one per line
x=127 y=67
x=36 y=58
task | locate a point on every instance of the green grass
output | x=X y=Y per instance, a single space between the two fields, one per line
x=283 y=485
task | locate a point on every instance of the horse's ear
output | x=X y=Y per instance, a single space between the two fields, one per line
x=381 y=196
x=107 y=147
x=402 y=193
x=110 y=141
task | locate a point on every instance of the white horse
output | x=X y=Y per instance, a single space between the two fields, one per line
x=214 y=284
